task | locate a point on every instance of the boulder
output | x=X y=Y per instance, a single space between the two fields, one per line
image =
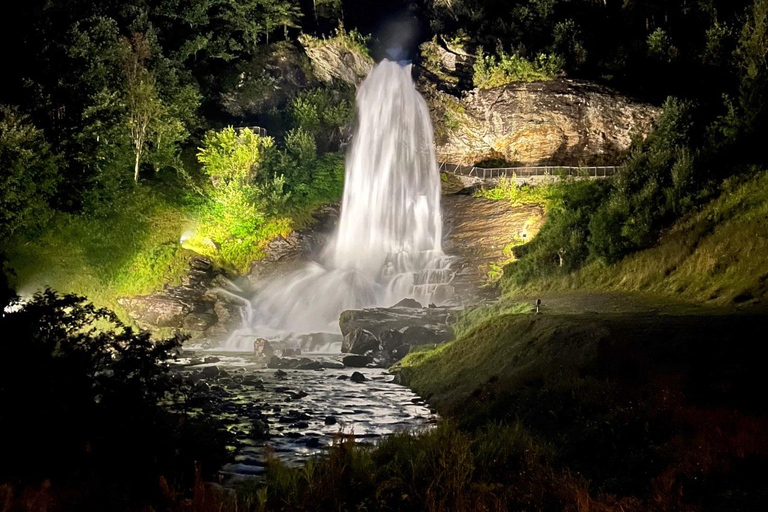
x=357 y=377
x=157 y=310
x=356 y=361
x=360 y=341
x=408 y=303
x=210 y=372
x=333 y=59
x=399 y=352
x=311 y=365
x=391 y=339
x=290 y=363
x=228 y=318
x=425 y=335
x=378 y=320
x=262 y=347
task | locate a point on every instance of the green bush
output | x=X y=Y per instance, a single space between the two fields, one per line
x=561 y=245
x=301 y=145
x=233 y=156
x=492 y=71
x=323 y=113
x=508 y=189
x=28 y=174
x=88 y=416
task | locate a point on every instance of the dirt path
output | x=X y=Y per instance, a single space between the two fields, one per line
x=613 y=302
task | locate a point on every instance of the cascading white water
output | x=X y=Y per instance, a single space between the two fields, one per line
x=388 y=242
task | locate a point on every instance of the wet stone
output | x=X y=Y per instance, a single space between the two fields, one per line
x=262 y=419
x=210 y=372
x=356 y=361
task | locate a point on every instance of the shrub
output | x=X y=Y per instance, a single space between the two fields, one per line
x=323 y=113
x=233 y=156
x=84 y=405
x=301 y=145
x=29 y=174
x=491 y=71
x=508 y=189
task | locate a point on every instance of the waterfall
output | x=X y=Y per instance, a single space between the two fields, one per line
x=388 y=241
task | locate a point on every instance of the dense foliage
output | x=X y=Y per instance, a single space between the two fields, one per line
x=650 y=47
x=491 y=71
x=80 y=394
x=100 y=179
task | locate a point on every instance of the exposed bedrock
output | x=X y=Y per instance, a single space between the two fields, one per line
x=386 y=335
x=559 y=122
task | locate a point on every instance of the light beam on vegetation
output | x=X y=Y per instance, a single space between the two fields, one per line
x=388 y=242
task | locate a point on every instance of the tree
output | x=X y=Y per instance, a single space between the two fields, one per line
x=28 y=173
x=752 y=59
x=91 y=407
x=144 y=105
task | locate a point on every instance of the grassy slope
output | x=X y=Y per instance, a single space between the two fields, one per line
x=134 y=248
x=658 y=401
x=718 y=255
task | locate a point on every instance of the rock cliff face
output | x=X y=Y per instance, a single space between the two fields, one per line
x=560 y=122
x=332 y=59
x=195 y=306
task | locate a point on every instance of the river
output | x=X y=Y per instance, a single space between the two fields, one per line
x=295 y=414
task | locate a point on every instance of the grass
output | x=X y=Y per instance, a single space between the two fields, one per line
x=715 y=255
x=651 y=411
x=136 y=246
x=507 y=189
x=131 y=249
x=492 y=71
x=352 y=40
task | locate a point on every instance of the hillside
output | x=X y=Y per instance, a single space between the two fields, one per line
x=715 y=255
x=641 y=376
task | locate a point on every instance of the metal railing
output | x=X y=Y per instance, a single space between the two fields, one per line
x=603 y=171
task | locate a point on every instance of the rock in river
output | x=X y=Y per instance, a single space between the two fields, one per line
x=360 y=341
x=261 y=347
x=356 y=361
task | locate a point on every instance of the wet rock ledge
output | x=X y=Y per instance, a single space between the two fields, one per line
x=383 y=336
